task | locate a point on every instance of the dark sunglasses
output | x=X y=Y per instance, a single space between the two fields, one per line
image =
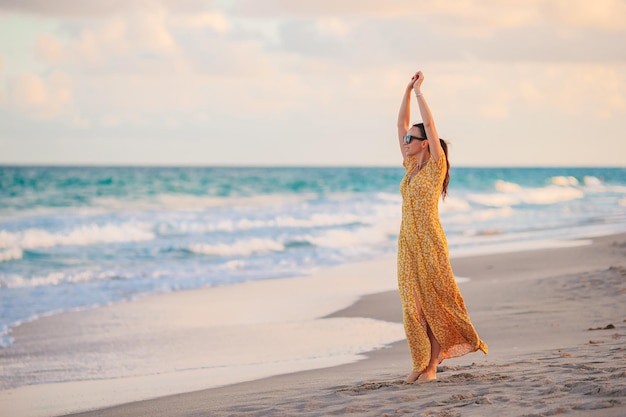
x=408 y=139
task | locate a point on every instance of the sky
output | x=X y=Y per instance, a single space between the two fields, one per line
x=284 y=82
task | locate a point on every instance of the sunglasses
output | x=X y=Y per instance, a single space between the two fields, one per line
x=409 y=138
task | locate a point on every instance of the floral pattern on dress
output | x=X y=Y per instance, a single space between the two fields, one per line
x=428 y=291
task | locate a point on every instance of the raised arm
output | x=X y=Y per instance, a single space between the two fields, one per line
x=404 y=114
x=436 y=151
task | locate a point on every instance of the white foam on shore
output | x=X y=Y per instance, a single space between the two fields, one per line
x=11 y=254
x=84 y=235
x=512 y=194
x=238 y=248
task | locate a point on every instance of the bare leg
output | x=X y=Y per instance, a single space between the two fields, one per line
x=430 y=372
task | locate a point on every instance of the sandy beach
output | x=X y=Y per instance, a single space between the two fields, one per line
x=554 y=320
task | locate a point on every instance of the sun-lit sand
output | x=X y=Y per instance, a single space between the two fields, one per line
x=554 y=320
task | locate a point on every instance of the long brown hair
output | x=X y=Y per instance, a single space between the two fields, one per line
x=444 y=145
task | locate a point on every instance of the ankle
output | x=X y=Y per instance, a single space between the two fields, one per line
x=431 y=369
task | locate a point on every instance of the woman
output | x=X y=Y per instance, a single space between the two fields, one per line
x=436 y=322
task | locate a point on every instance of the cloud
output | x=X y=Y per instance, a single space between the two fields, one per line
x=477 y=17
x=465 y=16
x=214 y=20
x=139 y=43
x=321 y=9
x=95 y=8
x=351 y=33
x=152 y=42
x=604 y=15
x=143 y=67
x=355 y=33
x=496 y=106
x=592 y=91
x=67 y=8
x=40 y=98
x=50 y=50
x=381 y=42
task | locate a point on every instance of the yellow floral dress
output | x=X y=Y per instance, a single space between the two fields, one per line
x=426 y=282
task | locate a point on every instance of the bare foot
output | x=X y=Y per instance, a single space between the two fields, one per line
x=412 y=377
x=427 y=375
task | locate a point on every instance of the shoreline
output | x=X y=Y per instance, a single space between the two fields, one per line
x=491 y=249
x=496 y=282
x=187 y=321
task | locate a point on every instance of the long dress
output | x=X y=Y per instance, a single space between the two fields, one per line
x=429 y=293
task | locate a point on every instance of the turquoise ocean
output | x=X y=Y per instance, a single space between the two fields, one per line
x=77 y=237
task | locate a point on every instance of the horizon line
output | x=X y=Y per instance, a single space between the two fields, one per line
x=263 y=165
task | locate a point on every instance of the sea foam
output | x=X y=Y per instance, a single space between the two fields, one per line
x=564 y=181
x=11 y=254
x=238 y=248
x=513 y=194
x=84 y=235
